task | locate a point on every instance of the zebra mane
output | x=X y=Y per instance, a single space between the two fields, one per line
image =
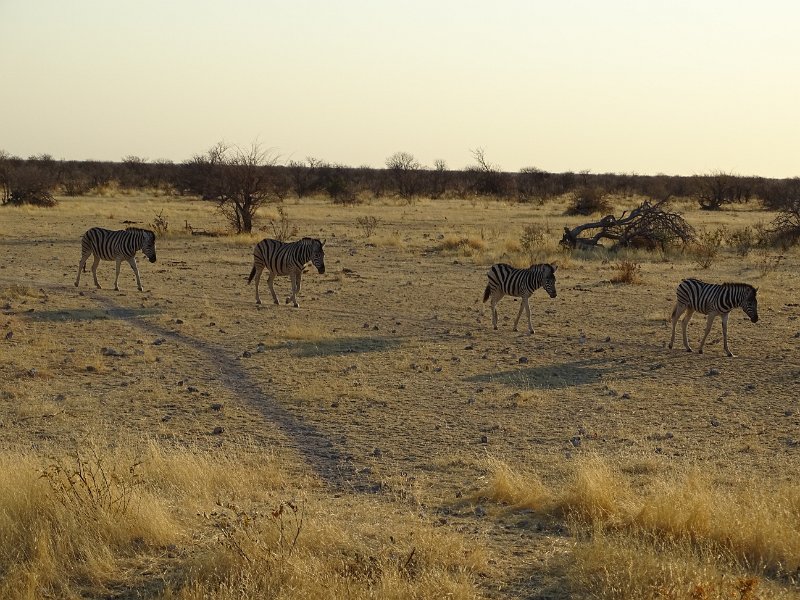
x=729 y=284
x=146 y=232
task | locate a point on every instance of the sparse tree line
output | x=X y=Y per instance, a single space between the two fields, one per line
x=241 y=180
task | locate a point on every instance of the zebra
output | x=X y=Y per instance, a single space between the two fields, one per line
x=712 y=299
x=118 y=245
x=507 y=280
x=283 y=258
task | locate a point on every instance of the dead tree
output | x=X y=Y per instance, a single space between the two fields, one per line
x=646 y=226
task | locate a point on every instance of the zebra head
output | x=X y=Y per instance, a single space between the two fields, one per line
x=750 y=303
x=318 y=255
x=149 y=245
x=549 y=279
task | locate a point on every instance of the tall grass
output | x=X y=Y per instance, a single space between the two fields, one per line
x=686 y=536
x=197 y=524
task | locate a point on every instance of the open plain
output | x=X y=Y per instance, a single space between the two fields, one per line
x=428 y=455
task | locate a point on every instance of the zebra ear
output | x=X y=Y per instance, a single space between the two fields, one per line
x=323 y=243
x=554 y=267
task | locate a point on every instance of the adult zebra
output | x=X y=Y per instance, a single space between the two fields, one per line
x=507 y=280
x=120 y=245
x=282 y=258
x=712 y=299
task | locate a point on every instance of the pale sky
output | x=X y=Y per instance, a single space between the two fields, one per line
x=676 y=87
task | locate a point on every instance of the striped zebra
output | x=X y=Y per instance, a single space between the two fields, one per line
x=282 y=258
x=506 y=280
x=712 y=299
x=118 y=245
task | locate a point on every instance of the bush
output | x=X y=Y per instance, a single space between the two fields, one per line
x=30 y=184
x=627 y=272
x=590 y=200
x=742 y=240
x=706 y=246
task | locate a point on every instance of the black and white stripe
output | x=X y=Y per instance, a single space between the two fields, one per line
x=712 y=299
x=120 y=245
x=507 y=280
x=282 y=258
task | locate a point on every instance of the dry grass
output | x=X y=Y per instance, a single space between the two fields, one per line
x=636 y=472
x=685 y=536
x=237 y=526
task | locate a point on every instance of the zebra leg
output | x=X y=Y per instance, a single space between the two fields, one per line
x=94 y=271
x=116 y=278
x=684 y=327
x=709 y=323
x=676 y=314
x=259 y=270
x=81 y=267
x=135 y=267
x=296 y=288
x=495 y=300
x=725 y=334
x=524 y=305
x=270 y=279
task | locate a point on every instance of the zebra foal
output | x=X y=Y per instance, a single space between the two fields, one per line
x=712 y=299
x=120 y=245
x=281 y=258
x=507 y=280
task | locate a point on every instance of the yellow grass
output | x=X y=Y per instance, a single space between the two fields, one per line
x=430 y=454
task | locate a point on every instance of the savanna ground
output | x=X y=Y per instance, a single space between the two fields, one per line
x=382 y=441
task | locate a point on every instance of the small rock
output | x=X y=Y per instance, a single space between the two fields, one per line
x=32 y=372
x=626 y=396
x=484 y=439
x=217 y=406
x=576 y=440
x=191 y=389
x=376 y=452
x=788 y=412
x=480 y=511
x=715 y=422
x=246 y=354
x=9 y=335
x=712 y=372
x=217 y=430
x=111 y=352
x=179 y=321
x=523 y=360
x=365 y=325
x=159 y=341
x=469 y=347
x=91 y=369
x=60 y=398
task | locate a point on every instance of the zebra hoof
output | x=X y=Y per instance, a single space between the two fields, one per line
x=258 y=301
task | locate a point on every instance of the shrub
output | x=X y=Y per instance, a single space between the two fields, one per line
x=589 y=200
x=742 y=240
x=706 y=246
x=627 y=272
x=532 y=238
x=368 y=224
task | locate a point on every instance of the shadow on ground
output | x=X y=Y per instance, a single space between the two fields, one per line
x=553 y=376
x=92 y=314
x=309 y=349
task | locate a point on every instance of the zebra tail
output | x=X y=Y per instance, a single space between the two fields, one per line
x=487 y=292
x=252 y=274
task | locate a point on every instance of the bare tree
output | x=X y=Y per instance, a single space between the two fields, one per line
x=404 y=169
x=647 y=225
x=245 y=184
x=718 y=188
x=487 y=178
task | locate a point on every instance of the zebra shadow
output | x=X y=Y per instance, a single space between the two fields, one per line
x=337 y=346
x=92 y=314
x=551 y=377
